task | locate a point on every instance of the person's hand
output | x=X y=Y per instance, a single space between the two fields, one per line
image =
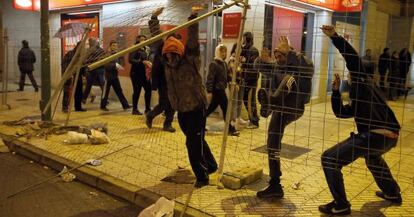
x=158 y=11
x=284 y=45
x=243 y=59
x=336 y=82
x=328 y=30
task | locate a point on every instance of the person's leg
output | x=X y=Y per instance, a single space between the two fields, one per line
x=118 y=91
x=339 y=156
x=192 y=124
x=213 y=104
x=78 y=95
x=89 y=82
x=104 y=100
x=379 y=145
x=33 y=80
x=66 y=94
x=255 y=116
x=148 y=92
x=248 y=97
x=135 y=95
x=22 y=81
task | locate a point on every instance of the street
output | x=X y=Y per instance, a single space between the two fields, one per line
x=54 y=198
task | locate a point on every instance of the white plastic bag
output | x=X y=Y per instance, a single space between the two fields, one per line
x=98 y=137
x=162 y=208
x=76 y=138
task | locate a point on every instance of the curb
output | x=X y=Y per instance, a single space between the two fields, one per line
x=90 y=176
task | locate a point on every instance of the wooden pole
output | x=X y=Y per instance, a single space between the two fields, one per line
x=45 y=58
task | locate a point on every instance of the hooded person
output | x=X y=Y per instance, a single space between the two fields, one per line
x=158 y=80
x=187 y=96
x=250 y=77
x=378 y=131
x=25 y=59
x=217 y=79
x=289 y=89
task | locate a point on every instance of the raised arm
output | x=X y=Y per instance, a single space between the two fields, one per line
x=352 y=59
x=192 y=47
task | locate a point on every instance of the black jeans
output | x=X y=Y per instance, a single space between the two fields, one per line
x=95 y=77
x=219 y=97
x=367 y=145
x=163 y=106
x=78 y=93
x=251 y=86
x=23 y=79
x=201 y=159
x=137 y=85
x=118 y=91
x=67 y=89
x=276 y=129
x=382 y=80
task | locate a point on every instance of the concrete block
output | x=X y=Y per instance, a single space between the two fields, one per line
x=240 y=177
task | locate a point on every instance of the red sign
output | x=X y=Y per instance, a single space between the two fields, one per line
x=231 y=25
x=28 y=5
x=336 y=5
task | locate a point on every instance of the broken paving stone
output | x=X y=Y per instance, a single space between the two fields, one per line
x=240 y=177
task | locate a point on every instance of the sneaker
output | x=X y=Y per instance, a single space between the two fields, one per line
x=168 y=129
x=148 y=121
x=136 y=112
x=234 y=132
x=334 y=209
x=241 y=122
x=104 y=109
x=201 y=183
x=252 y=126
x=272 y=191
x=397 y=199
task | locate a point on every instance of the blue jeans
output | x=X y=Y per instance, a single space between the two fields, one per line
x=367 y=145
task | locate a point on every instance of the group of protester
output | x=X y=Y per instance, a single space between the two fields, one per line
x=172 y=68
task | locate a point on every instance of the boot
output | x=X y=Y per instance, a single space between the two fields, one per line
x=272 y=191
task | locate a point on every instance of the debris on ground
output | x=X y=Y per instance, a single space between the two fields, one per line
x=163 y=207
x=96 y=137
x=3 y=147
x=296 y=186
x=45 y=167
x=76 y=138
x=93 y=193
x=66 y=175
x=94 y=162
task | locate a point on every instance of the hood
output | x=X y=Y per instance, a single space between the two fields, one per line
x=173 y=45
x=249 y=38
x=217 y=52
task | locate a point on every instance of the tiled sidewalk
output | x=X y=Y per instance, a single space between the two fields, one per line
x=154 y=154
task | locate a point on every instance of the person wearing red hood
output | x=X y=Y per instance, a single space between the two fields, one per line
x=187 y=96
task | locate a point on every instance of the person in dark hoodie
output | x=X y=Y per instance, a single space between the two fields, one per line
x=112 y=79
x=187 y=95
x=384 y=66
x=378 y=131
x=158 y=81
x=96 y=76
x=405 y=62
x=250 y=76
x=289 y=90
x=394 y=77
x=138 y=77
x=264 y=66
x=25 y=59
x=217 y=78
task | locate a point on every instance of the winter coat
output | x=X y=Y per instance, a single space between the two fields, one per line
x=25 y=59
x=217 y=77
x=186 y=91
x=95 y=54
x=111 y=70
x=405 y=62
x=158 y=68
x=136 y=59
x=383 y=63
x=394 y=69
x=368 y=105
x=250 y=53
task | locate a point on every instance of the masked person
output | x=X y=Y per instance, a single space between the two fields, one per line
x=377 y=127
x=187 y=95
x=290 y=89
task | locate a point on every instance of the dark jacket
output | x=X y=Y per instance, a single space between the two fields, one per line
x=250 y=53
x=405 y=62
x=266 y=69
x=25 y=59
x=217 y=77
x=394 y=68
x=95 y=54
x=136 y=59
x=111 y=72
x=368 y=106
x=186 y=91
x=383 y=63
x=158 y=68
